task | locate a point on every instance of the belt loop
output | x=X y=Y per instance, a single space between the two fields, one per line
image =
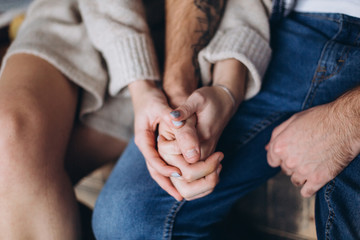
x=281 y=8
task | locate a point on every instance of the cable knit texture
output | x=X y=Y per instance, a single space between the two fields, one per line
x=243 y=34
x=118 y=29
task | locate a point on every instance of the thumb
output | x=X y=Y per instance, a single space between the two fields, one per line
x=183 y=112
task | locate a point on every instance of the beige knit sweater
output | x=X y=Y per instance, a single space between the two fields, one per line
x=103 y=45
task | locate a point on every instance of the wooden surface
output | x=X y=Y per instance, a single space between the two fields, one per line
x=278 y=210
x=89 y=187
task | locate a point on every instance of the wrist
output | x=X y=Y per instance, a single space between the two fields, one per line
x=231 y=75
x=346 y=111
x=177 y=100
x=178 y=87
x=140 y=86
x=229 y=94
x=140 y=90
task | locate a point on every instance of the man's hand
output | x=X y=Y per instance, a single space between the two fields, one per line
x=150 y=105
x=314 y=146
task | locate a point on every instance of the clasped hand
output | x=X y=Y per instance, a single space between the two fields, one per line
x=190 y=146
x=183 y=161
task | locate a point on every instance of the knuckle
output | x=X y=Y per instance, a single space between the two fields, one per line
x=316 y=178
x=303 y=170
x=290 y=163
x=295 y=181
x=185 y=135
x=212 y=181
x=210 y=135
x=206 y=135
x=275 y=132
x=308 y=192
x=187 y=175
x=285 y=170
x=186 y=193
x=186 y=109
x=213 y=184
x=278 y=147
x=200 y=97
x=152 y=174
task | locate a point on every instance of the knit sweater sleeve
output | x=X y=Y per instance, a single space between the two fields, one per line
x=118 y=29
x=243 y=35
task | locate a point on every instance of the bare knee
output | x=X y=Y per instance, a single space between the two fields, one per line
x=20 y=142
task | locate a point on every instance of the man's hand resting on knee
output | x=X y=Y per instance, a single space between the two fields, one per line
x=315 y=145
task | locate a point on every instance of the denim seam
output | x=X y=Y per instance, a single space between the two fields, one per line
x=330 y=220
x=347 y=20
x=315 y=81
x=323 y=16
x=258 y=127
x=319 y=16
x=170 y=219
x=342 y=60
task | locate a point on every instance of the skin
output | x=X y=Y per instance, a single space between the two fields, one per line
x=149 y=105
x=207 y=103
x=190 y=25
x=183 y=20
x=35 y=177
x=39 y=137
x=315 y=145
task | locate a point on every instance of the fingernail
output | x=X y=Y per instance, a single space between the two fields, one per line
x=175 y=174
x=221 y=158
x=158 y=137
x=175 y=114
x=177 y=123
x=191 y=153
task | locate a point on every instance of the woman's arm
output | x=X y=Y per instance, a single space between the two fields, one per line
x=244 y=35
x=118 y=29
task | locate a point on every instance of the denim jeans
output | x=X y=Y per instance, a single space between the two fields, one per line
x=316 y=58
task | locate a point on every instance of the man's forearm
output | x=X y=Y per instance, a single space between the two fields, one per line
x=347 y=110
x=190 y=25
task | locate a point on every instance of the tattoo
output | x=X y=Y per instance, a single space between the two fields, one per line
x=208 y=24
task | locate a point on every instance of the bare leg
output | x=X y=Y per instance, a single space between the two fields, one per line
x=37 y=108
x=88 y=150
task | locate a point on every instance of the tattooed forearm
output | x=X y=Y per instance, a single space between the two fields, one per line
x=207 y=25
x=190 y=24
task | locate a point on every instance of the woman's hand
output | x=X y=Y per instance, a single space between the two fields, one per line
x=213 y=108
x=214 y=105
x=150 y=105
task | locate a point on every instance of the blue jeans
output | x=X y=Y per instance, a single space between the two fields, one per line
x=316 y=58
